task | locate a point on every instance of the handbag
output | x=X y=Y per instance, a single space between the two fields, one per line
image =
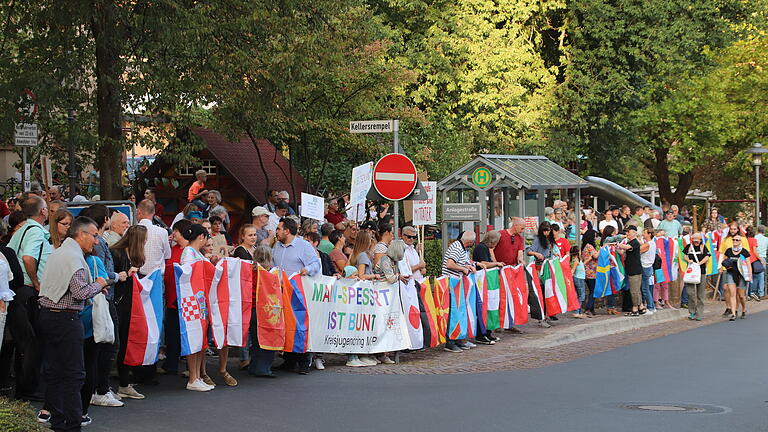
x=103 y=326
x=758 y=267
x=693 y=273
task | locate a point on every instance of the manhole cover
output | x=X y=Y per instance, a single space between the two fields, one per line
x=669 y=407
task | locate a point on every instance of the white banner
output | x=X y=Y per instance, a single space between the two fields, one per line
x=362 y=178
x=354 y=317
x=312 y=206
x=425 y=212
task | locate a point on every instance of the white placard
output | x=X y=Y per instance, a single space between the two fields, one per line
x=425 y=212
x=45 y=165
x=372 y=126
x=26 y=135
x=312 y=206
x=362 y=178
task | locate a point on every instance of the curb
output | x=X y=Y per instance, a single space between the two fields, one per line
x=602 y=328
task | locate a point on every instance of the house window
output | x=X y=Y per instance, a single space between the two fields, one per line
x=208 y=165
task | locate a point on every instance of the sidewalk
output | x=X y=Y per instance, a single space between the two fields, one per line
x=568 y=339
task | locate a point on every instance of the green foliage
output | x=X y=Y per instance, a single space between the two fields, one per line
x=433 y=257
x=17 y=416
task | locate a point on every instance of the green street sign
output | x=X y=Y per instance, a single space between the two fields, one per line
x=482 y=177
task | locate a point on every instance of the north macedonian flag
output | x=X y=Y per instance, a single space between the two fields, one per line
x=442 y=305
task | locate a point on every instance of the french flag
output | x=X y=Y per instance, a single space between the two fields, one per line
x=192 y=284
x=146 y=324
x=230 y=297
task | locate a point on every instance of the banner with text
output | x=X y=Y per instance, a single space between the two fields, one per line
x=354 y=317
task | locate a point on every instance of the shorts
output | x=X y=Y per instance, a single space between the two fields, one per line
x=728 y=279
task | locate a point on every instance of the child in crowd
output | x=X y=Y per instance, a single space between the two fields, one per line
x=579 y=274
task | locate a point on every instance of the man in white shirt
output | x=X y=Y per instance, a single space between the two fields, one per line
x=412 y=257
x=157 y=249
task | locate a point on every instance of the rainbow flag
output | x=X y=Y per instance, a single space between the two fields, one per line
x=457 y=316
x=428 y=315
x=709 y=242
x=681 y=243
x=665 y=249
x=295 y=314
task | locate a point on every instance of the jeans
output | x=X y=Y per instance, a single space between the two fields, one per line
x=757 y=286
x=580 y=292
x=683 y=293
x=198 y=202
x=648 y=288
x=62 y=333
x=590 y=295
x=90 y=359
x=106 y=355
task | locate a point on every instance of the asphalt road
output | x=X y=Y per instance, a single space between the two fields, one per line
x=722 y=367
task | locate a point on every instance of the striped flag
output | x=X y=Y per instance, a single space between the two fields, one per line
x=295 y=314
x=681 y=243
x=146 y=324
x=270 y=324
x=515 y=296
x=231 y=297
x=481 y=295
x=570 y=289
x=457 y=316
x=428 y=315
x=493 y=299
x=442 y=305
x=715 y=258
x=535 y=297
x=470 y=294
x=617 y=272
x=192 y=284
x=602 y=279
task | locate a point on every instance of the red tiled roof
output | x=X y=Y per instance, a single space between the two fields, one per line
x=241 y=159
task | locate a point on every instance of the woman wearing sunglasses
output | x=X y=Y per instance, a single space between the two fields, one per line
x=734 y=283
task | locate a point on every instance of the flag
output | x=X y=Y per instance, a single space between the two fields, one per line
x=617 y=273
x=515 y=296
x=295 y=314
x=535 y=297
x=457 y=315
x=409 y=296
x=470 y=294
x=481 y=302
x=442 y=306
x=681 y=243
x=715 y=255
x=270 y=324
x=192 y=284
x=428 y=315
x=492 y=304
x=602 y=281
x=231 y=298
x=664 y=246
x=571 y=295
x=146 y=324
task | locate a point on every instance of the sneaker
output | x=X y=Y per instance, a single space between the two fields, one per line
x=369 y=361
x=698 y=318
x=452 y=348
x=129 y=392
x=484 y=340
x=554 y=318
x=684 y=305
x=199 y=386
x=85 y=421
x=463 y=346
x=494 y=338
x=544 y=324
x=43 y=417
x=319 y=365
x=387 y=360
x=692 y=316
x=754 y=297
x=727 y=312
x=115 y=395
x=303 y=370
x=743 y=315
x=469 y=344
x=356 y=362
x=650 y=311
x=105 y=400
x=206 y=379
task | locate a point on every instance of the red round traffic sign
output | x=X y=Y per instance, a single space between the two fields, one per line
x=394 y=176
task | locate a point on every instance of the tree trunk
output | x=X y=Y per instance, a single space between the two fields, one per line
x=108 y=99
x=661 y=170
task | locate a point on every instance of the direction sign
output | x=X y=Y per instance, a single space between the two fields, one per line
x=372 y=126
x=26 y=135
x=394 y=176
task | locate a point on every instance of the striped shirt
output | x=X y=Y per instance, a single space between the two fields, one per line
x=74 y=299
x=459 y=255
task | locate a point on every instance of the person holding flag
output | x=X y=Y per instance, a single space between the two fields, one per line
x=735 y=282
x=696 y=252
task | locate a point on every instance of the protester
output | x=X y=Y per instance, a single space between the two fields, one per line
x=609 y=237
x=696 y=253
x=456 y=264
x=14 y=278
x=589 y=254
x=713 y=222
x=360 y=259
x=562 y=243
x=758 y=290
x=735 y=283
x=219 y=240
x=172 y=325
x=54 y=193
x=272 y=200
x=32 y=248
x=248 y=236
x=579 y=276
x=413 y=256
x=542 y=248
x=66 y=284
x=634 y=270
x=151 y=195
x=308 y=226
x=387 y=268
x=216 y=209
x=185 y=212
x=337 y=253
x=335 y=214
x=647 y=259
x=157 y=249
x=118 y=224
x=509 y=249
x=197 y=192
x=671 y=225
x=385 y=237
x=294 y=255
x=260 y=362
x=260 y=220
x=608 y=221
x=482 y=254
x=59 y=225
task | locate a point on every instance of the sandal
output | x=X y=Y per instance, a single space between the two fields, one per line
x=634 y=314
x=228 y=379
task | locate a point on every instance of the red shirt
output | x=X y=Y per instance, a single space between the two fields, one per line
x=509 y=247
x=195 y=189
x=334 y=218
x=564 y=245
x=4 y=209
x=169 y=278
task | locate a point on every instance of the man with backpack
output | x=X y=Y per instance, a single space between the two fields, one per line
x=32 y=246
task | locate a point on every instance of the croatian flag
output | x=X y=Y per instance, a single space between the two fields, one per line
x=230 y=297
x=192 y=284
x=146 y=324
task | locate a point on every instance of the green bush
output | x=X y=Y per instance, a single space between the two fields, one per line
x=17 y=416
x=433 y=256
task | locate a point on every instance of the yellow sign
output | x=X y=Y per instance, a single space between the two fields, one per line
x=482 y=177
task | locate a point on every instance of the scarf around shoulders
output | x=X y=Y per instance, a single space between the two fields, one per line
x=61 y=266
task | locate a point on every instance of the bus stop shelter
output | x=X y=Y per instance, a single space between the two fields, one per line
x=489 y=190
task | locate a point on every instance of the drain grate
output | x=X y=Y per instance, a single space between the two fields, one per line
x=668 y=407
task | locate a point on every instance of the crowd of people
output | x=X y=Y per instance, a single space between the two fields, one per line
x=60 y=267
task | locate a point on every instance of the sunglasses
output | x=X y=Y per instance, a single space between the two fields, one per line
x=412 y=237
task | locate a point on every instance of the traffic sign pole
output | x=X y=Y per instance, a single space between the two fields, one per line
x=396 y=145
x=25 y=179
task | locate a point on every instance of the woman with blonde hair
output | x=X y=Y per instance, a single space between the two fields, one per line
x=360 y=259
x=58 y=225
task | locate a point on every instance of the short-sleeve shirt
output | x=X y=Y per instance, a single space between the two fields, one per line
x=482 y=253
x=36 y=243
x=605 y=223
x=632 y=259
x=564 y=246
x=509 y=247
x=590 y=268
x=338 y=255
x=325 y=246
x=195 y=189
x=334 y=218
x=365 y=260
x=459 y=255
x=697 y=254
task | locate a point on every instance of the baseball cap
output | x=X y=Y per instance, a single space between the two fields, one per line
x=258 y=211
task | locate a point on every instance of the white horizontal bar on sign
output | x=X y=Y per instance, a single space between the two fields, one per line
x=395 y=176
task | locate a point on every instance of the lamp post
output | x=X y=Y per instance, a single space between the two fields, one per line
x=757 y=151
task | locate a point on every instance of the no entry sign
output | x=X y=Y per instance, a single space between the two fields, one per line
x=394 y=176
